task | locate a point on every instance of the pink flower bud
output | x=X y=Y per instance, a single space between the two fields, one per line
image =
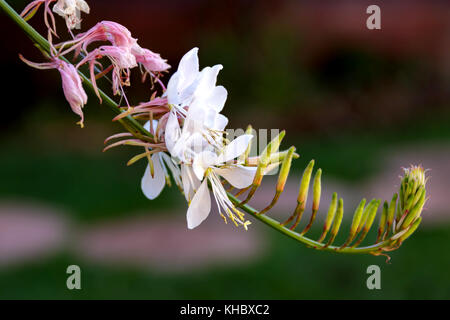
x=71 y=83
x=73 y=89
x=109 y=31
x=152 y=62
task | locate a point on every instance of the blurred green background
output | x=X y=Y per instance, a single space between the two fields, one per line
x=361 y=103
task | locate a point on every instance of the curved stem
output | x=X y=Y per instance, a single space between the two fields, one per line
x=297 y=236
x=130 y=123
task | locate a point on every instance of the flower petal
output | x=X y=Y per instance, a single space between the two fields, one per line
x=172 y=89
x=207 y=81
x=152 y=186
x=238 y=176
x=200 y=206
x=190 y=182
x=217 y=98
x=172 y=132
x=188 y=68
x=235 y=148
x=203 y=161
x=220 y=122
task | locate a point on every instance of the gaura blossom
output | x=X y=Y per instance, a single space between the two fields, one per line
x=123 y=51
x=121 y=60
x=153 y=184
x=71 y=83
x=190 y=89
x=188 y=84
x=119 y=36
x=209 y=166
x=104 y=31
x=70 y=10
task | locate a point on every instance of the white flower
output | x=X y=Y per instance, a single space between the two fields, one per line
x=70 y=9
x=208 y=166
x=188 y=87
x=153 y=185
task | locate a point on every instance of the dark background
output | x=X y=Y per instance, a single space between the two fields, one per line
x=362 y=103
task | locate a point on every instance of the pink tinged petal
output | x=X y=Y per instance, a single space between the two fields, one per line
x=200 y=206
x=235 y=148
x=73 y=89
x=151 y=61
x=152 y=186
x=238 y=176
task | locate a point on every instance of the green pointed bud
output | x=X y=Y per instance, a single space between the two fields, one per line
x=371 y=217
x=411 y=230
x=416 y=211
x=355 y=223
x=304 y=185
x=274 y=145
x=357 y=217
x=330 y=216
x=365 y=215
x=272 y=149
x=244 y=157
x=391 y=213
x=284 y=171
x=371 y=214
x=280 y=156
x=317 y=190
x=383 y=220
x=337 y=222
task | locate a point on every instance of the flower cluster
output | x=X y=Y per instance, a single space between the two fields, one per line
x=122 y=54
x=181 y=129
x=185 y=123
x=199 y=153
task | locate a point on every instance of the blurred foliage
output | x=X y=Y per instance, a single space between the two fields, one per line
x=288 y=271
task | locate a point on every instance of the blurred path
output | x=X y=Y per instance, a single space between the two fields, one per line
x=30 y=231
x=164 y=243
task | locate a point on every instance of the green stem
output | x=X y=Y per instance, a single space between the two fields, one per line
x=130 y=123
x=297 y=236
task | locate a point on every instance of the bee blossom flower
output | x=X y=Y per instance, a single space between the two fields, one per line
x=71 y=83
x=121 y=60
x=208 y=167
x=112 y=32
x=70 y=10
x=197 y=90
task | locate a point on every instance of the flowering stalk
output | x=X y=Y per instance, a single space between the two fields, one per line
x=220 y=161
